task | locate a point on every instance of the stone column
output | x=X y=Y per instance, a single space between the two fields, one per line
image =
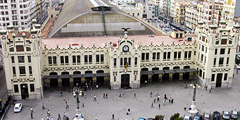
x=47 y=81
x=71 y=81
x=59 y=82
x=94 y=80
x=180 y=76
x=149 y=78
x=160 y=77
x=107 y=80
x=170 y=76
x=191 y=75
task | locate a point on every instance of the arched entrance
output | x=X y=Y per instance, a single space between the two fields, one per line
x=125 y=80
x=100 y=79
x=24 y=91
x=89 y=78
x=53 y=81
x=176 y=75
x=77 y=79
x=166 y=75
x=155 y=76
x=65 y=81
x=186 y=74
x=144 y=76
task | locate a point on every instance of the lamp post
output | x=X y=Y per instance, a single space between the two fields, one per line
x=78 y=114
x=193 y=106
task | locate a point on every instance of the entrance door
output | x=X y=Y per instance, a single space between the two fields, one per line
x=53 y=82
x=125 y=80
x=100 y=81
x=65 y=82
x=176 y=76
x=219 y=80
x=186 y=76
x=24 y=91
x=77 y=80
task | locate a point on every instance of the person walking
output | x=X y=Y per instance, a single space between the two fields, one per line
x=85 y=95
x=65 y=101
x=134 y=95
x=94 y=98
x=59 y=117
x=210 y=90
x=103 y=95
x=151 y=94
x=185 y=108
x=82 y=104
x=169 y=100
x=67 y=107
x=106 y=95
x=31 y=115
x=112 y=116
x=172 y=100
x=159 y=106
x=120 y=94
x=152 y=105
x=31 y=110
x=43 y=107
x=48 y=113
x=154 y=100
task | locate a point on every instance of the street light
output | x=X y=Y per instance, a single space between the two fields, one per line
x=76 y=93
x=193 y=106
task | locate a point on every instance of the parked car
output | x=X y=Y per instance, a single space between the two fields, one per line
x=197 y=117
x=216 y=115
x=150 y=119
x=142 y=119
x=234 y=114
x=18 y=107
x=226 y=115
x=206 y=116
x=187 y=117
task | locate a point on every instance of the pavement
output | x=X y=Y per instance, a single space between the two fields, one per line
x=219 y=99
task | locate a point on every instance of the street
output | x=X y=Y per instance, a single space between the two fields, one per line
x=219 y=99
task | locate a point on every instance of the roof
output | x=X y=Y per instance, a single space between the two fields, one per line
x=75 y=42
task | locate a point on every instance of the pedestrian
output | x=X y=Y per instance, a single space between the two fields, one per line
x=154 y=100
x=185 y=108
x=145 y=82
x=94 y=98
x=42 y=118
x=65 y=101
x=169 y=100
x=59 y=117
x=31 y=115
x=123 y=94
x=43 y=107
x=95 y=118
x=106 y=95
x=103 y=95
x=210 y=90
x=152 y=105
x=172 y=100
x=48 y=113
x=82 y=104
x=134 y=95
x=158 y=99
x=165 y=96
x=151 y=94
x=64 y=115
x=67 y=107
x=120 y=94
x=206 y=88
x=159 y=106
x=61 y=93
x=85 y=95
x=31 y=110
x=112 y=116
x=97 y=86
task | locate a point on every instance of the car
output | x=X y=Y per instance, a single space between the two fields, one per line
x=206 y=116
x=216 y=115
x=142 y=118
x=197 y=117
x=150 y=119
x=18 y=107
x=187 y=117
x=226 y=115
x=234 y=114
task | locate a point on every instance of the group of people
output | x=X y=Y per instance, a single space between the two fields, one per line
x=158 y=99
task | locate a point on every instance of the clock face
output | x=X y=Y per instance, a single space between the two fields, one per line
x=125 y=48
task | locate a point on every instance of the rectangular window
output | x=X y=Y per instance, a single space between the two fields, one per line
x=229 y=50
x=21 y=59
x=22 y=70
x=14 y=71
x=227 y=61
x=189 y=54
x=19 y=48
x=154 y=56
x=225 y=76
x=214 y=62
x=49 y=60
x=222 y=51
x=185 y=54
x=224 y=41
x=169 y=54
x=54 y=60
x=32 y=87
x=215 y=51
x=97 y=58
x=213 y=77
x=221 y=61
x=147 y=56
x=179 y=54
x=12 y=58
x=74 y=59
x=86 y=58
x=125 y=61
x=29 y=59
x=135 y=60
x=115 y=62
x=102 y=58
x=129 y=61
x=78 y=59
x=164 y=55
x=143 y=56
x=202 y=48
x=202 y=57
x=16 y=89
x=175 y=55
x=121 y=61
x=62 y=59
x=90 y=59
x=158 y=55
x=30 y=70
x=66 y=59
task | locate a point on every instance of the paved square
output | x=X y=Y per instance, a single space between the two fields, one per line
x=219 y=99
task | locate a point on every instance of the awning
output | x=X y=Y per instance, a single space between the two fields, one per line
x=76 y=76
x=179 y=70
x=88 y=75
x=169 y=71
x=158 y=71
x=51 y=77
x=190 y=70
x=102 y=74
x=64 y=76
x=146 y=72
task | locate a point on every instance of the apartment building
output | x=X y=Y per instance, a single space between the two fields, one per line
x=191 y=16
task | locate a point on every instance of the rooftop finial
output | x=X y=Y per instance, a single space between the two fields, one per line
x=125 y=30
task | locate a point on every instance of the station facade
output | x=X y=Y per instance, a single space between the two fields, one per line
x=117 y=62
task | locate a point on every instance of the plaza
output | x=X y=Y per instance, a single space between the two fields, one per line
x=220 y=99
